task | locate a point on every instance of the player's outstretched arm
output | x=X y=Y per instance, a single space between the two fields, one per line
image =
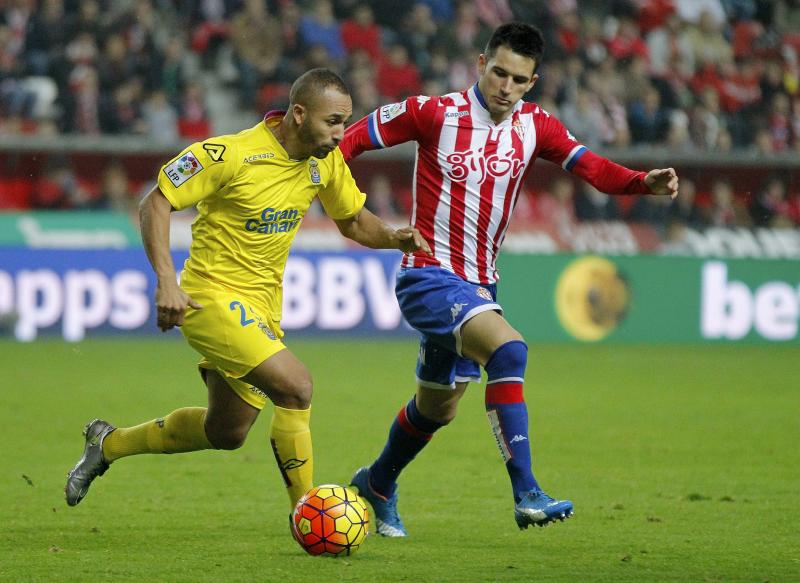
x=368 y=230
x=609 y=177
x=171 y=300
x=663 y=181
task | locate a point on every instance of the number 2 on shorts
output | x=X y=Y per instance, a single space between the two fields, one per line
x=244 y=319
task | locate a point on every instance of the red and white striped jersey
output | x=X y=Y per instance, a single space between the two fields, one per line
x=469 y=171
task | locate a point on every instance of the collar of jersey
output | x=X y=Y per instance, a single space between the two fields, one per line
x=269 y=116
x=479 y=97
x=482 y=102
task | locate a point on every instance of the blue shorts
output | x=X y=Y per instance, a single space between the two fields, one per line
x=437 y=302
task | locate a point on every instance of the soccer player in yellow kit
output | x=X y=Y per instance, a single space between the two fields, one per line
x=251 y=191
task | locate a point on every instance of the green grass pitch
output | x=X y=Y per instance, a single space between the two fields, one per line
x=682 y=463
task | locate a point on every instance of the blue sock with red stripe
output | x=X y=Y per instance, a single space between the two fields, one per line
x=410 y=432
x=508 y=414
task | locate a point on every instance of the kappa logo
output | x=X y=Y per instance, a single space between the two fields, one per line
x=517 y=438
x=456 y=310
x=391 y=111
x=484 y=293
x=183 y=169
x=215 y=151
x=456 y=114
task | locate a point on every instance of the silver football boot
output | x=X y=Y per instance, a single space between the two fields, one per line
x=91 y=465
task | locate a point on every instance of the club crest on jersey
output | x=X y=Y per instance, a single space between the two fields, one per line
x=484 y=293
x=313 y=170
x=183 y=169
x=519 y=128
x=391 y=111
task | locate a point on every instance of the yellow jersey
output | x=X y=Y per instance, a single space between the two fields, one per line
x=251 y=198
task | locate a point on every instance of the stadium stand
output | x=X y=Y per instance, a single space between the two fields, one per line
x=661 y=76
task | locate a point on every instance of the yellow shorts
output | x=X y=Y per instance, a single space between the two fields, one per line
x=234 y=333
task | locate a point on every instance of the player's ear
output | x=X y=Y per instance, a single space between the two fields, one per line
x=482 y=63
x=299 y=113
x=534 y=79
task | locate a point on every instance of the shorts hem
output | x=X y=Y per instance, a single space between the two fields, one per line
x=467 y=317
x=468 y=379
x=244 y=390
x=436 y=386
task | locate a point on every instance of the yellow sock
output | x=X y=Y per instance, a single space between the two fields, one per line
x=180 y=431
x=290 y=436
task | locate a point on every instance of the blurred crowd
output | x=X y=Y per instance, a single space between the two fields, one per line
x=705 y=74
x=566 y=202
x=682 y=75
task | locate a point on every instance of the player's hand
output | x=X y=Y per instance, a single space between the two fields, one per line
x=663 y=181
x=410 y=241
x=171 y=304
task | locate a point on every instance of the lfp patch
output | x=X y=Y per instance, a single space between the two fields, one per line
x=391 y=111
x=183 y=168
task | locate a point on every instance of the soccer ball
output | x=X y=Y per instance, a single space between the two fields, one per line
x=330 y=520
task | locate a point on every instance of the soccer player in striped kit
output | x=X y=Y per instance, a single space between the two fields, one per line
x=474 y=151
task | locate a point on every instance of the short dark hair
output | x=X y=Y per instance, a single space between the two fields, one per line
x=312 y=83
x=524 y=39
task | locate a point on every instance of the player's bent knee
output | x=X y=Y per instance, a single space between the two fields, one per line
x=441 y=413
x=513 y=353
x=228 y=438
x=295 y=394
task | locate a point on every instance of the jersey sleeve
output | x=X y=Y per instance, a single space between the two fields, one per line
x=201 y=170
x=559 y=146
x=390 y=125
x=341 y=197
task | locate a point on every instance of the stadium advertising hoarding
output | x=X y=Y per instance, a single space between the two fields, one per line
x=652 y=299
x=75 y=294
x=72 y=230
x=114 y=230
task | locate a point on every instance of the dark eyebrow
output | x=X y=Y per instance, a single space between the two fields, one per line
x=517 y=78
